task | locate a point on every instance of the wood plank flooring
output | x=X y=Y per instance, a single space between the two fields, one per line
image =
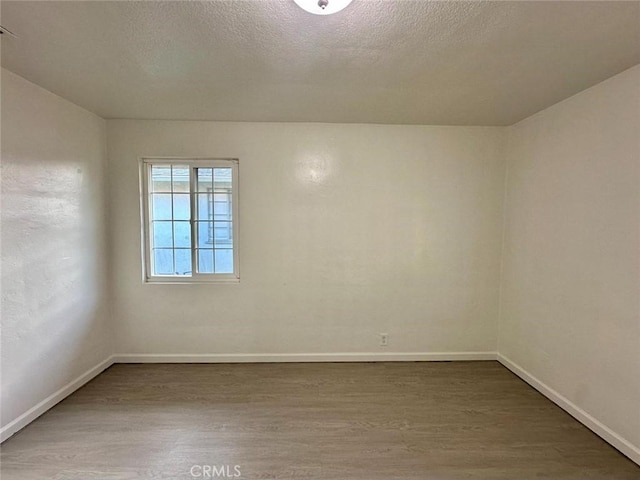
x=343 y=421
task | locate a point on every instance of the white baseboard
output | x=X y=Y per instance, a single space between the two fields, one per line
x=49 y=402
x=302 y=357
x=620 y=443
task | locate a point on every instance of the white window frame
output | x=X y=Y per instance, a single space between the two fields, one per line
x=147 y=219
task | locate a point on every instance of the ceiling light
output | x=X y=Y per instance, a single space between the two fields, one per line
x=322 y=7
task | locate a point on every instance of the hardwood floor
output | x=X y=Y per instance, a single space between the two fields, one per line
x=344 y=421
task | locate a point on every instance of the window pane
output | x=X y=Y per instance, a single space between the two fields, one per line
x=222 y=206
x=205 y=261
x=182 y=234
x=224 y=261
x=183 y=262
x=163 y=262
x=205 y=206
x=222 y=234
x=205 y=234
x=161 y=204
x=160 y=178
x=205 y=180
x=180 y=179
x=181 y=206
x=221 y=178
x=162 y=234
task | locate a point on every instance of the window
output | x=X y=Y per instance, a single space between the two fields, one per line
x=190 y=210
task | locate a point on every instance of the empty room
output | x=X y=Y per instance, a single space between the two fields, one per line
x=320 y=239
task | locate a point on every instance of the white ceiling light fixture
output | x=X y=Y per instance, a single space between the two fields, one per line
x=322 y=7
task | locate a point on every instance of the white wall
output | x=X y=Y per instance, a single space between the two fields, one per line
x=54 y=322
x=571 y=276
x=346 y=231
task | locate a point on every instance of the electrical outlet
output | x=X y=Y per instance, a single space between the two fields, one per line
x=384 y=339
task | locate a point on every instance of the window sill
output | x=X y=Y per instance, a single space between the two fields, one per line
x=190 y=280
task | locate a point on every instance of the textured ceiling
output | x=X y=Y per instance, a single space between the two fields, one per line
x=377 y=61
